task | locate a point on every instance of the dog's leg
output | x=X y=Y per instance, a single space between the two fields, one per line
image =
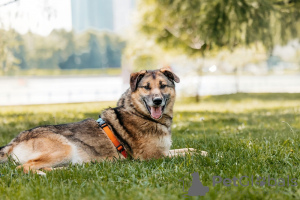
x=182 y=152
x=52 y=168
x=47 y=168
x=43 y=162
x=49 y=153
x=31 y=166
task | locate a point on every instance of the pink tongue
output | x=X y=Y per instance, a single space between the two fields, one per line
x=156 y=112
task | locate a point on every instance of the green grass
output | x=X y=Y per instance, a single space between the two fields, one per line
x=245 y=134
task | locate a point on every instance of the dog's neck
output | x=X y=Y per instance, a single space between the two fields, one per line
x=132 y=127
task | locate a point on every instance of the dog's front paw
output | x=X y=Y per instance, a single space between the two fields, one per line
x=190 y=149
x=40 y=173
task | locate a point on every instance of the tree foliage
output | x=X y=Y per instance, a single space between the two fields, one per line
x=8 y=47
x=60 y=50
x=197 y=26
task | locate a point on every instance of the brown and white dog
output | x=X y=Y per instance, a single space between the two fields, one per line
x=141 y=122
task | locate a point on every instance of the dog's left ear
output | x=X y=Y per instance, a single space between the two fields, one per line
x=135 y=78
x=168 y=73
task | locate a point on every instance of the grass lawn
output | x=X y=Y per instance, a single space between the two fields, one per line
x=244 y=134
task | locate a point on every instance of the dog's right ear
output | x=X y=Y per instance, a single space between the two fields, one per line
x=169 y=74
x=135 y=78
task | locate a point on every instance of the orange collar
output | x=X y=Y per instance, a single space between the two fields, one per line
x=112 y=137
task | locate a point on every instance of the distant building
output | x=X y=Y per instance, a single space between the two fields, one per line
x=110 y=15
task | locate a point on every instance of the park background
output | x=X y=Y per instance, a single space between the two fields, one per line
x=63 y=61
x=70 y=51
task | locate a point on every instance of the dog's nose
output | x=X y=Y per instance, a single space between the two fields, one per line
x=157 y=101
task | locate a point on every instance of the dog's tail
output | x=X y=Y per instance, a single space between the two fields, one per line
x=4 y=151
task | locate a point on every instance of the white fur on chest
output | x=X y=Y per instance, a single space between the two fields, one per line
x=164 y=143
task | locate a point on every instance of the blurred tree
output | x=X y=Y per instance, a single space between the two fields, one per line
x=65 y=44
x=41 y=52
x=8 y=46
x=113 y=50
x=203 y=28
x=19 y=52
x=95 y=55
x=95 y=49
x=194 y=26
x=59 y=50
x=142 y=53
x=5 y=3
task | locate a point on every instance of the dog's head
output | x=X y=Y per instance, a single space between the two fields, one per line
x=153 y=92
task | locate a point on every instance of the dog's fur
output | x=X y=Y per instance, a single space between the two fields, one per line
x=141 y=122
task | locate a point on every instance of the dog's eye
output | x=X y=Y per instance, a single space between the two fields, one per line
x=163 y=86
x=147 y=87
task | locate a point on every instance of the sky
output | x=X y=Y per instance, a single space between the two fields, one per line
x=42 y=16
x=37 y=16
x=122 y=14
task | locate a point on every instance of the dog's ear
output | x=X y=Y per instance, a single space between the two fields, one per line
x=135 y=78
x=169 y=74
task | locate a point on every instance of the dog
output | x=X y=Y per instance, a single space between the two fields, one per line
x=141 y=123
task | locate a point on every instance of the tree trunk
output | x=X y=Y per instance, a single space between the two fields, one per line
x=199 y=78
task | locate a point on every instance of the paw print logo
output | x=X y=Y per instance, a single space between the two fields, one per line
x=197 y=188
x=260 y=181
